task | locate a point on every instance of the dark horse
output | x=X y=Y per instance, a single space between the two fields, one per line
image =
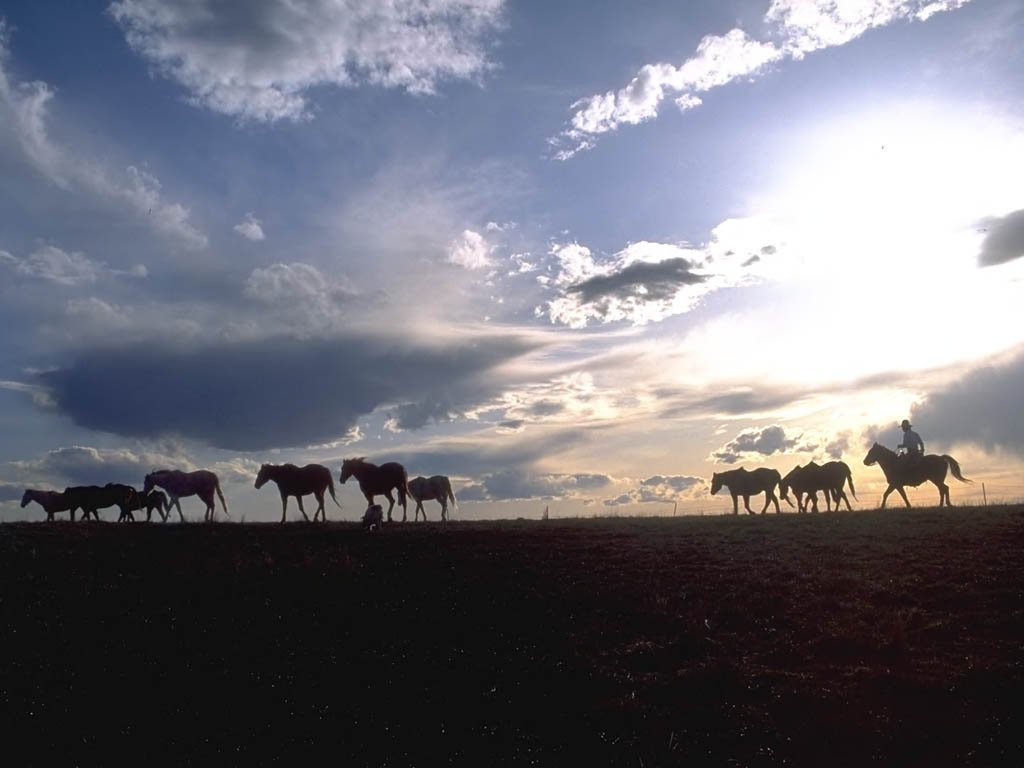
x=746 y=484
x=149 y=501
x=51 y=502
x=436 y=487
x=92 y=498
x=900 y=471
x=298 y=482
x=831 y=478
x=378 y=481
x=201 y=483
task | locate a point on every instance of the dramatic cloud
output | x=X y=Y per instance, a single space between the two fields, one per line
x=1004 y=241
x=982 y=408
x=23 y=110
x=261 y=394
x=756 y=442
x=798 y=26
x=647 y=282
x=58 y=266
x=259 y=59
x=250 y=228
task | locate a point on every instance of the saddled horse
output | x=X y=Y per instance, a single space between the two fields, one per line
x=51 y=502
x=298 y=482
x=901 y=471
x=92 y=498
x=830 y=477
x=202 y=483
x=437 y=488
x=379 y=481
x=740 y=482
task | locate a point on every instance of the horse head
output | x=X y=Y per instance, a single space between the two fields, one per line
x=149 y=482
x=716 y=483
x=26 y=498
x=349 y=467
x=873 y=455
x=263 y=476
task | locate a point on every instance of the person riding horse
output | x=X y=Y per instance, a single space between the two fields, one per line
x=912 y=447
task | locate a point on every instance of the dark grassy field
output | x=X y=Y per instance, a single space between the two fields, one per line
x=888 y=638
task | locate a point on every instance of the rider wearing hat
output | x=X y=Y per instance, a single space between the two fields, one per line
x=912 y=446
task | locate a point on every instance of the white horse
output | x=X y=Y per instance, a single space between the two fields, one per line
x=201 y=483
x=438 y=488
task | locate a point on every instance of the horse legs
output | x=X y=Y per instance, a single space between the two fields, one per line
x=171 y=504
x=320 y=505
x=898 y=489
x=944 y=494
x=735 y=504
x=391 y=505
x=284 y=506
x=444 y=509
x=746 y=503
x=302 y=509
x=419 y=508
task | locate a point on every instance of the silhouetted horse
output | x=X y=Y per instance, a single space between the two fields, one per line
x=378 y=481
x=51 y=502
x=298 y=482
x=92 y=498
x=900 y=471
x=436 y=487
x=740 y=482
x=811 y=478
x=201 y=483
x=149 y=501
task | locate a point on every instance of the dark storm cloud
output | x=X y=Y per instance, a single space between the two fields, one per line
x=982 y=408
x=274 y=392
x=644 y=280
x=1004 y=241
x=763 y=442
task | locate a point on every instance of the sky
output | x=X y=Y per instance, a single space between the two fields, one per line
x=576 y=256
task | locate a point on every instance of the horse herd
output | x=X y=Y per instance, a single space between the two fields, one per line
x=806 y=482
x=290 y=480
x=832 y=478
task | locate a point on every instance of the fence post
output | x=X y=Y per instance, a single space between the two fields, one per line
x=984 y=496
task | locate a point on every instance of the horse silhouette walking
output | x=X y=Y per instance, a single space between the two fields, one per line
x=51 y=502
x=900 y=472
x=740 y=482
x=437 y=488
x=92 y=498
x=831 y=477
x=201 y=483
x=298 y=482
x=379 y=481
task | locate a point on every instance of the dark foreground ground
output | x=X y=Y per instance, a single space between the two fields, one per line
x=887 y=638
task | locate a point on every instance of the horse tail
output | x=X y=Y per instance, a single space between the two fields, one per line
x=216 y=487
x=451 y=494
x=849 y=479
x=330 y=487
x=955 y=469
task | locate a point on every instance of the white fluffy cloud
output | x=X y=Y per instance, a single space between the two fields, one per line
x=470 y=250
x=250 y=228
x=798 y=26
x=257 y=60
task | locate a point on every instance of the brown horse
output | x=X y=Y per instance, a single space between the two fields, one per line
x=831 y=478
x=298 y=482
x=92 y=498
x=51 y=502
x=740 y=482
x=902 y=470
x=201 y=483
x=154 y=500
x=438 y=488
x=379 y=481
